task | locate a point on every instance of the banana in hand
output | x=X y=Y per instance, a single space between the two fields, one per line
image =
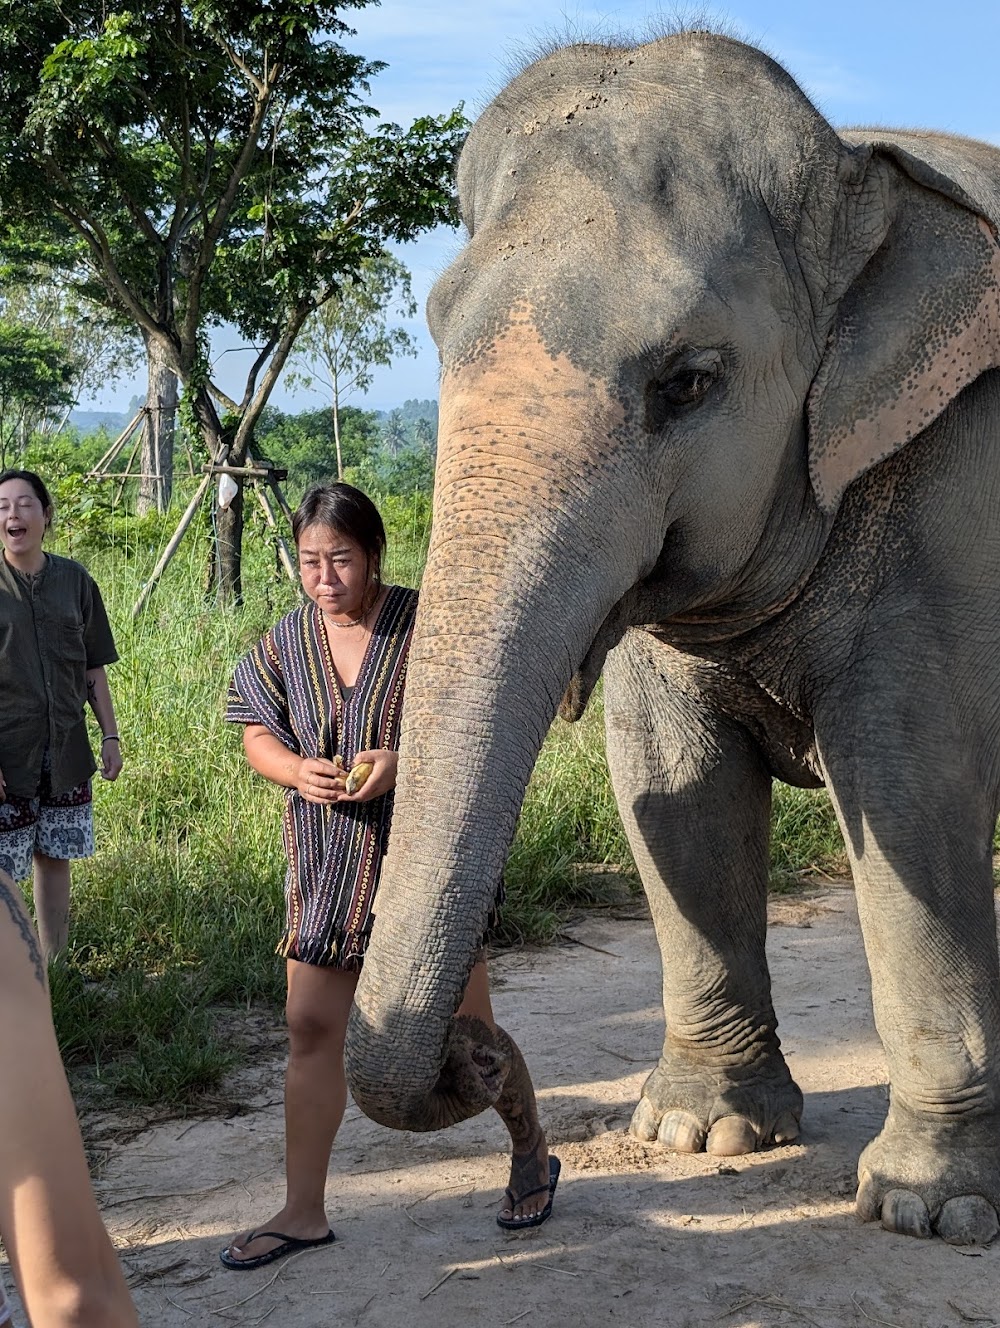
x=358 y=775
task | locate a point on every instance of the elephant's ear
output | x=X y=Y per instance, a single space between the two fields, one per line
x=918 y=321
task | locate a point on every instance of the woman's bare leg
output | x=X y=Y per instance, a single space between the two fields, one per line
x=63 y=1262
x=318 y=1005
x=529 y=1163
x=51 y=888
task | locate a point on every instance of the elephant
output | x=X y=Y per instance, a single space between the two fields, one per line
x=720 y=419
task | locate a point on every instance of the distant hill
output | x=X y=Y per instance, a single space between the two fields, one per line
x=414 y=410
x=89 y=421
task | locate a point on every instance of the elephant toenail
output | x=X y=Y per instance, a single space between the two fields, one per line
x=866 y=1204
x=730 y=1136
x=967 y=1220
x=643 y=1123
x=786 y=1131
x=905 y=1212
x=682 y=1132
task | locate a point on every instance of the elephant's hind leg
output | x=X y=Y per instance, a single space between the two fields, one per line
x=694 y=794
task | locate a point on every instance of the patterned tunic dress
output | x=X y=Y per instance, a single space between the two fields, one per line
x=288 y=683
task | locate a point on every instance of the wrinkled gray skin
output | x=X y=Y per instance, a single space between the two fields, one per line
x=719 y=404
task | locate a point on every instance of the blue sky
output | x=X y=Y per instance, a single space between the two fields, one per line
x=890 y=62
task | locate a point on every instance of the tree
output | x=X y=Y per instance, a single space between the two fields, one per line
x=413 y=410
x=343 y=342
x=97 y=347
x=211 y=162
x=394 y=433
x=425 y=436
x=34 y=376
x=303 y=444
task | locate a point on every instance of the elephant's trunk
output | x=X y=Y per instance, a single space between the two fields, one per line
x=524 y=565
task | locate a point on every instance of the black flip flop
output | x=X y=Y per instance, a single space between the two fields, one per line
x=536 y=1220
x=289 y=1245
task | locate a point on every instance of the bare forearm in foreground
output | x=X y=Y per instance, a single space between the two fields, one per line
x=65 y=1267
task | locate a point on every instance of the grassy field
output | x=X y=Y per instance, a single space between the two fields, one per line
x=180 y=909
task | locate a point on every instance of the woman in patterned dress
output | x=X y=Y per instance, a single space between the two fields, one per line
x=321 y=693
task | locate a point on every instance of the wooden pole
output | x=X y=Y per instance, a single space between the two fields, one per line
x=283 y=551
x=119 y=443
x=171 y=548
x=275 y=488
x=248 y=472
x=128 y=466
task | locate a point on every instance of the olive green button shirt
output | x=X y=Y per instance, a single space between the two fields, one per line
x=53 y=628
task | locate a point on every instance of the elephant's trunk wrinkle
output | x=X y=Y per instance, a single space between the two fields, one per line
x=515 y=428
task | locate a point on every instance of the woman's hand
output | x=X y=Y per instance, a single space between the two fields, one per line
x=320 y=781
x=111 y=758
x=381 y=779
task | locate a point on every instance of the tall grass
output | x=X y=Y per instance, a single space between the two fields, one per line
x=180 y=909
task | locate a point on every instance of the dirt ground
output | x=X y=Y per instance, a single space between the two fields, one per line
x=638 y=1237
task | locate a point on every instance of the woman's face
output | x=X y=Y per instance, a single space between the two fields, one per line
x=335 y=570
x=23 y=519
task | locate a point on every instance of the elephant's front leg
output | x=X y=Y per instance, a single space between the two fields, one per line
x=919 y=829
x=695 y=796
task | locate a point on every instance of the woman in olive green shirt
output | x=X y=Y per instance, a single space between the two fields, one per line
x=54 y=644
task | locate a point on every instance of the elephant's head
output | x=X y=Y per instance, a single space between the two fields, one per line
x=688 y=315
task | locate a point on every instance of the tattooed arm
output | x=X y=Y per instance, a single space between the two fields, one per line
x=99 y=700
x=15 y=919
x=63 y=1262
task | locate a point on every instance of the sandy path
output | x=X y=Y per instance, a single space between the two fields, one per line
x=638 y=1237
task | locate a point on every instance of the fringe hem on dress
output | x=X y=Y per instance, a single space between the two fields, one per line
x=345 y=949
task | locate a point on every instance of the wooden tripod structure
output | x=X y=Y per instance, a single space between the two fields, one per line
x=266 y=480
x=102 y=468
x=134 y=432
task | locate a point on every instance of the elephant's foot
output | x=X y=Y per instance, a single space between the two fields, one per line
x=690 y=1108
x=921 y=1179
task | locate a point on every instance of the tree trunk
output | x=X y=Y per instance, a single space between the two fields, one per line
x=157 y=466
x=229 y=540
x=228 y=558
x=336 y=427
x=229 y=446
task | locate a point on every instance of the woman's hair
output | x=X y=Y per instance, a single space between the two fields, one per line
x=347 y=510
x=36 y=482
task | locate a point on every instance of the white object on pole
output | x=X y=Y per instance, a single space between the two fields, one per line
x=227 y=491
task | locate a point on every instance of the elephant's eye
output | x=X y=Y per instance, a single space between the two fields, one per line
x=686 y=382
x=687 y=387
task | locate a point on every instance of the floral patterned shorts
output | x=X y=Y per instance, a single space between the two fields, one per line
x=60 y=826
